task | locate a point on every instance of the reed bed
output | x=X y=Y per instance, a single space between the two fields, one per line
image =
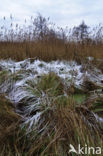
x=42 y=39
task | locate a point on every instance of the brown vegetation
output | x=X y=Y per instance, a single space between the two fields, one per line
x=42 y=40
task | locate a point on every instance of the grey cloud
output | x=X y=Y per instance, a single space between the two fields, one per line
x=61 y=12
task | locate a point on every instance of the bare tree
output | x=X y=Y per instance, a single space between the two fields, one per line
x=81 y=32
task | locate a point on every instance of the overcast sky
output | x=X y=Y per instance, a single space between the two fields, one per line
x=62 y=12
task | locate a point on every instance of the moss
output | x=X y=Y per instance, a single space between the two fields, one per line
x=79 y=98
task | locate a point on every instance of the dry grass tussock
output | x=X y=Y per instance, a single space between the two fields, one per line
x=63 y=126
x=62 y=122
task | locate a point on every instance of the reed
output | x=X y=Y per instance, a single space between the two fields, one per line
x=43 y=40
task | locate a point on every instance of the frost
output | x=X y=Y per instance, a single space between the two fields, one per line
x=67 y=70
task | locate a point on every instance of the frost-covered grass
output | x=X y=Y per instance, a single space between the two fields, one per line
x=54 y=104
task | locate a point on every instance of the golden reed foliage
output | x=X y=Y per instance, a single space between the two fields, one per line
x=49 y=51
x=44 y=41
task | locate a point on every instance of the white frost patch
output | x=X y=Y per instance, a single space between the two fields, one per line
x=32 y=120
x=67 y=70
x=99 y=120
